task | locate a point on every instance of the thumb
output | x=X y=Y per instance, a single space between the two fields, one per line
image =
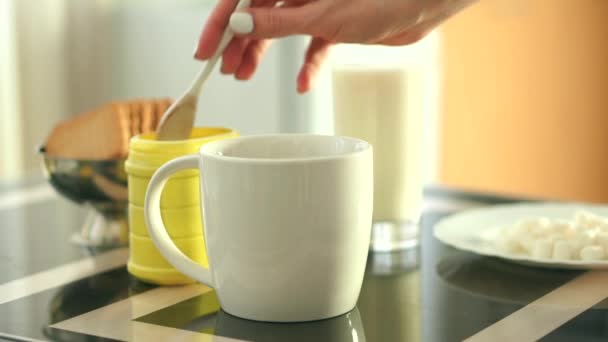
x=273 y=22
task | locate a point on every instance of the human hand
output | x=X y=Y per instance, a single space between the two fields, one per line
x=387 y=22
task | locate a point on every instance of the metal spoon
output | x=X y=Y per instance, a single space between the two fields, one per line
x=178 y=120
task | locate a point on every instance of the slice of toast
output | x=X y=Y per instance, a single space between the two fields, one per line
x=97 y=135
x=135 y=109
x=105 y=133
x=147 y=116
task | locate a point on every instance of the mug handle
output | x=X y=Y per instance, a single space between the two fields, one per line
x=154 y=220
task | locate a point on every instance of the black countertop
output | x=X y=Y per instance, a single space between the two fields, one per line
x=63 y=292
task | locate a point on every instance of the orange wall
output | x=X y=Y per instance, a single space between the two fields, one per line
x=525 y=106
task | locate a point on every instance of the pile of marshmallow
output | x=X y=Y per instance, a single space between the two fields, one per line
x=585 y=237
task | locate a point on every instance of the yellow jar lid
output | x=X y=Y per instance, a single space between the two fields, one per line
x=147 y=143
x=146 y=154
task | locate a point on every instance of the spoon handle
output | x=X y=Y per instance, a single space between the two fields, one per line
x=205 y=71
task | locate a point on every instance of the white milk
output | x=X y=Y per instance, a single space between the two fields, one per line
x=384 y=105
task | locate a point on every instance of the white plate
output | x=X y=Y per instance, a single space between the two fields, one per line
x=474 y=230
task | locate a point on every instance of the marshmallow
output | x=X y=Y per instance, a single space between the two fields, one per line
x=585 y=236
x=542 y=249
x=527 y=242
x=510 y=246
x=592 y=253
x=583 y=239
x=587 y=220
x=602 y=240
x=603 y=228
x=528 y=225
x=541 y=231
x=562 y=250
x=516 y=231
x=564 y=228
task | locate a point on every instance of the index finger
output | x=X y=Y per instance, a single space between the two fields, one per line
x=214 y=29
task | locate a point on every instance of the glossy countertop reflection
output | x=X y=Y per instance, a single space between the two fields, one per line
x=430 y=293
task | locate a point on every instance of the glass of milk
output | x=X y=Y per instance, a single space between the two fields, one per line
x=379 y=97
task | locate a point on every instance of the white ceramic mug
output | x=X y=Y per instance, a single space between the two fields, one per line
x=287 y=223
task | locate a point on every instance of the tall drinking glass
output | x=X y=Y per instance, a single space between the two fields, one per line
x=381 y=101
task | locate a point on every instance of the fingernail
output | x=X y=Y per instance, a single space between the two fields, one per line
x=195 y=53
x=241 y=23
x=301 y=83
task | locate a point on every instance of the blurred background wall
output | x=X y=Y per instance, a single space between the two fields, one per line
x=60 y=58
x=525 y=106
x=521 y=106
x=65 y=57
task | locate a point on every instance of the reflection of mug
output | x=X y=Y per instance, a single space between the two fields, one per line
x=345 y=328
x=286 y=222
x=391 y=293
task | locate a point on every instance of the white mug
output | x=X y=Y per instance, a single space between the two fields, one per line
x=287 y=223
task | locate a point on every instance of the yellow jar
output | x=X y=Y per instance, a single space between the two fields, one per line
x=180 y=204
